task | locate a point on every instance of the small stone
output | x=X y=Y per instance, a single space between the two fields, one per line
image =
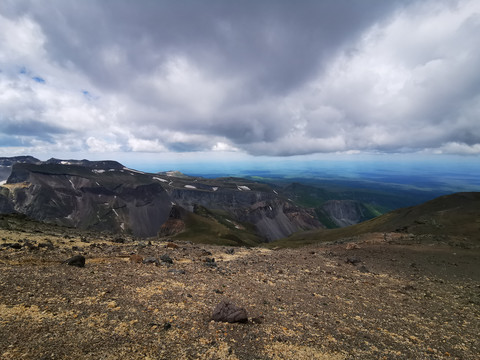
x=77 y=260
x=177 y=271
x=230 y=251
x=352 y=246
x=226 y=311
x=353 y=261
x=48 y=245
x=166 y=259
x=171 y=245
x=210 y=262
x=16 y=246
x=257 y=320
x=363 y=269
x=151 y=260
x=167 y=326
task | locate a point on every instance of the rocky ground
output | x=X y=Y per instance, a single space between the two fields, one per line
x=370 y=299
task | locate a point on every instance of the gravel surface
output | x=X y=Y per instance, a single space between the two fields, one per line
x=369 y=300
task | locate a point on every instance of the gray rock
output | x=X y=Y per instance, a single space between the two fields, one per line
x=177 y=271
x=353 y=261
x=210 y=262
x=77 y=260
x=166 y=259
x=226 y=311
x=151 y=260
x=363 y=269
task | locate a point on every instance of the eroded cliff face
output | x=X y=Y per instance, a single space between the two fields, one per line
x=346 y=212
x=272 y=216
x=107 y=196
x=101 y=199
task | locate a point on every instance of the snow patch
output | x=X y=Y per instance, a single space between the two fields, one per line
x=135 y=171
x=215 y=188
x=3 y=182
x=275 y=192
x=65 y=163
x=190 y=187
x=115 y=211
x=243 y=188
x=98 y=171
x=159 y=179
x=71 y=182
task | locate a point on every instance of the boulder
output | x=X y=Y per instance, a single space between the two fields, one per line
x=77 y=260
x=226 y=311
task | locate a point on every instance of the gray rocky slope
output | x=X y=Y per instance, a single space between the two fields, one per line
x=108 y=196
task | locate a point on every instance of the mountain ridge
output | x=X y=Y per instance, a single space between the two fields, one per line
x=106 y=195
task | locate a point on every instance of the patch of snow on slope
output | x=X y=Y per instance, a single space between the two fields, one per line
x=159 y=179
x=215 y=188
x=101 y=171
x=190 y=187
x=243 y=188
x=135 y=171
x=3 y=182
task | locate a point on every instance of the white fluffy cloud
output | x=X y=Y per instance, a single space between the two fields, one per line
x=266 y=78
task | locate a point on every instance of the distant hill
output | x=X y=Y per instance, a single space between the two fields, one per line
x=455 y=216
x=349 y=202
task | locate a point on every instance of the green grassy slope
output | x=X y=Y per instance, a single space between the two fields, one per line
x=450 y=215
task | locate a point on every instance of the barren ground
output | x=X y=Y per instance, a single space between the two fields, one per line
x=402 y=301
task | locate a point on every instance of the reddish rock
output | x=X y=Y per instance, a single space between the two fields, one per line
x=136 y=259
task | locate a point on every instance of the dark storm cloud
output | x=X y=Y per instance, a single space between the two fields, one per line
x=277 y=44
x=264 y=77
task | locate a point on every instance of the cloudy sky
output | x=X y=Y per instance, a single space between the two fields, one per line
x=255 y=78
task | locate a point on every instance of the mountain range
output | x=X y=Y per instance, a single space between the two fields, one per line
x=107 y=196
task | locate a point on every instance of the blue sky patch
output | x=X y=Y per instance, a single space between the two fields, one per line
x=38 y=79
x=88 y=95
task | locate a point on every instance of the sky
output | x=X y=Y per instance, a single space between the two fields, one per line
x=216 y=80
